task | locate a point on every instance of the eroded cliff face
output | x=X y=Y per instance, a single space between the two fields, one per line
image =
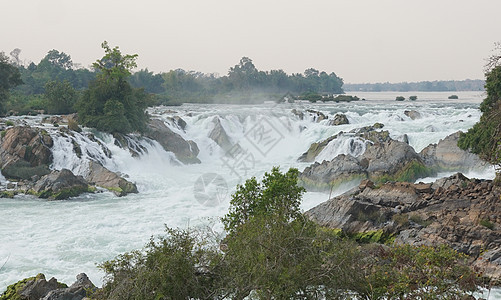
x=461 y=212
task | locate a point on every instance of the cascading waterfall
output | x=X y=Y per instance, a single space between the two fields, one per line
x=64 y=238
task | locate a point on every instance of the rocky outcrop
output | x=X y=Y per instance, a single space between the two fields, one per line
x=185 y=151
x=369 y=133
x=385 y=159
x=102 y=177
x=447 y=156
x=463 y=213
x=339 y=119
x=389 y=160
x=38 y=288
x=219 y=135
x=24 y=152
x=77 y=291
x=60 y=185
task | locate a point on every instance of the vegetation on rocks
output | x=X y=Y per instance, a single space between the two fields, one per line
x=272 y=251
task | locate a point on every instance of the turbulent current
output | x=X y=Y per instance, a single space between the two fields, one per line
x=64 y=238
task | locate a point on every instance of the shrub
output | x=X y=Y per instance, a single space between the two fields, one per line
x=413 y=98
x=453 y=97
x=400 y=98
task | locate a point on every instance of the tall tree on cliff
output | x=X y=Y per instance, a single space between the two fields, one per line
x=484 y=138
x=110 y=104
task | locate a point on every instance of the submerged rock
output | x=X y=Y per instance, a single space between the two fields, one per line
x=413 y=114
x=185 y=151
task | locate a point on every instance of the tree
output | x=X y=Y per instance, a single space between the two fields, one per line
x=110 y=104
x=60 y=96
x=484 y=138
x=9 y=78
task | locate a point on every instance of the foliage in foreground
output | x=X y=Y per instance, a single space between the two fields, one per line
x=271 y=251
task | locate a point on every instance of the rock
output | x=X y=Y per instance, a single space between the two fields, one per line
x=27 y=148
x=298 y=113
x=102 y=177
x=339 y=119
x=131 y=143
x=77 y=291
x=219 y=135
x=317 y=115
x=330 y=174
x=33 y=288
x=60 y=185
x=178 y=122
x=412 y=114
x=447 y=156
x=316 y=148
x=185 y=151
x=384 y=160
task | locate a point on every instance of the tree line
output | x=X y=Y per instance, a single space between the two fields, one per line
x=244 y=83
x=421 y=86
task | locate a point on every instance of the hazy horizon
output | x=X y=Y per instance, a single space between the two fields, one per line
x=361 y=41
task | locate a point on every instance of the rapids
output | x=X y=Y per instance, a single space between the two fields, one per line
x=64 y=238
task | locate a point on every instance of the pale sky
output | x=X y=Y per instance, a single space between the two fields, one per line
x=359 y=40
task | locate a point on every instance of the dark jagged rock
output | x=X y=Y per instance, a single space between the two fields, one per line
x=298 y=113
x=60 y=185
x=24 y=152
x=38 y=288
x=130 y=143
x=219 y=135
x=77 y=291
x=339 y=119
x=185 y=151
x=102 y=177
x=33 y=288
x=178 y=122
x=463 y=213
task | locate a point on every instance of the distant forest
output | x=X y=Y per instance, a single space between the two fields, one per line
x=421 y=86
x=244 y=83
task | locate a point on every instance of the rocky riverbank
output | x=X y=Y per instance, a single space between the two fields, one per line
x=461 y=212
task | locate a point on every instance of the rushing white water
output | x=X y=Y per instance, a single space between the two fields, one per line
x=64 y=238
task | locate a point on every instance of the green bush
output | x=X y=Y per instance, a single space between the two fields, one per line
x=400 y=98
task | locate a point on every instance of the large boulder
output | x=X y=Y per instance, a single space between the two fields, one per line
x=413 y=114
x=219 y=135
x=25 y=148
x=102 y=177
x=447 y=156
x=60 y=185
x=185 y=151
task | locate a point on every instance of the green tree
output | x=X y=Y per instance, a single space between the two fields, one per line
x=110 y=104
x=484 y=138
x=60 y=96
x=9 y=78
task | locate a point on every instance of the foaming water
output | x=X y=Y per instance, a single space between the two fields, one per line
x=64 y=238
